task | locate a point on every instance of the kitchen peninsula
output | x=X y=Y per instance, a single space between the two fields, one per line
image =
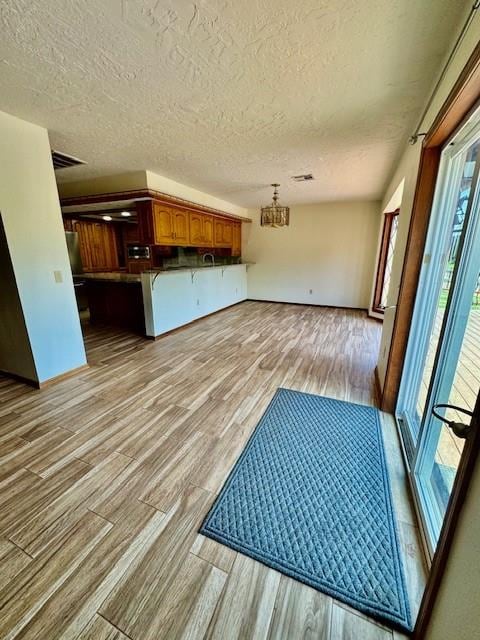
x=176 y=297
x=155 y=302
x=158 y=264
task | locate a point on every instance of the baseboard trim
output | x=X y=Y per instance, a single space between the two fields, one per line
x=15 y=376
x=378 y=388
x=62 y=376
x=309 y=304
x=188 y=324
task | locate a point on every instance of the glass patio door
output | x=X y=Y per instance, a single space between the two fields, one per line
x=442 y=365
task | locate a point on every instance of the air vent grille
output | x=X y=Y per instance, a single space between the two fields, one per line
x=63 y=161
x=304 y=177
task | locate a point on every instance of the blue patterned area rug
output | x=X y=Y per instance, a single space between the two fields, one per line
x=310 y=497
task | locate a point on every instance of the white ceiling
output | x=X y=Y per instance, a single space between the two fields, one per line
x=228 y=95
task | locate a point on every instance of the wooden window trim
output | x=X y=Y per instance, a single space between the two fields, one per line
x=382 y=259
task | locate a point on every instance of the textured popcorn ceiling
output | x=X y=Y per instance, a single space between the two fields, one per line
x=227 y=95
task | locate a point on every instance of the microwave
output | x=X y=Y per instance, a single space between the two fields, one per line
x=136 y=252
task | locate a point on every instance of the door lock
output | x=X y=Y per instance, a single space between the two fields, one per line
x=460 y=429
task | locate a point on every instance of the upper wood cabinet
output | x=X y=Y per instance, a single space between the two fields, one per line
x=208 y=230
x=170 y=226
x=181 y=227
x=201 y=229
x=223 y=233
x=237 y=239
x=98 y=247
x=163 y=225
x=173 y=226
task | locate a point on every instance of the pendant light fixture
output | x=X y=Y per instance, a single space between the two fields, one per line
x=274 y=215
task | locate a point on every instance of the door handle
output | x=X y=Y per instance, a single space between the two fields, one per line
x=460 y=429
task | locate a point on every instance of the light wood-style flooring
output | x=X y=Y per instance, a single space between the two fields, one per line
x=106 y=477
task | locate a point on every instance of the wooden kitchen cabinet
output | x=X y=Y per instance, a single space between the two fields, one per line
x=208 y=230
x=181 y=227
x=170 y=226
x=163 y=225
x=166 y=225
x=201 y=230
x=223 y=233
x=98 y=246
x=237 y=239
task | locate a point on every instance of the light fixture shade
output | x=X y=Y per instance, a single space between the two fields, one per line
x=274 y=215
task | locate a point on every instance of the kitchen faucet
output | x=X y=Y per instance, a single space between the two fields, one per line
x=211 y=256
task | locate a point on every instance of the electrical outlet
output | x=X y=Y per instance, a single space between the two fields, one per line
x=58 y=276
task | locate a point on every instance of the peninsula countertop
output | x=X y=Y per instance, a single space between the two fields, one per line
x=122 y=276
x=110 y=276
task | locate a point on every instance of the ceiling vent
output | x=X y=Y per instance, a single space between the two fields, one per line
x=304 y=177
x=63 y=161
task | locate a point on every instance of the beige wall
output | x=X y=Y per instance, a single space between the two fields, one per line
x=329 y=248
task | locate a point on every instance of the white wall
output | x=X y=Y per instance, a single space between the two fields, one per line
x=36 y=240
x=328 y=248
x=407 y=168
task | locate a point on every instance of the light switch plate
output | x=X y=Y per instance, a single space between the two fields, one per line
x=58 y=276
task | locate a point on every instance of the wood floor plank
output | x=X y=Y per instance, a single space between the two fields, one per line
x=27 y=495
x=213 y=552
x=346 y=625
x=246 y=608
x=173 y=477
x=12 y=561
x=49 y=524
x=300 y=612
x=148 y=578
x=106 y=477
x=24 y=597
x=100 y=629
x=72 y=605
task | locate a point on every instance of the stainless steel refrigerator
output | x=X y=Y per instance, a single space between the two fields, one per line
x=73 y=247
